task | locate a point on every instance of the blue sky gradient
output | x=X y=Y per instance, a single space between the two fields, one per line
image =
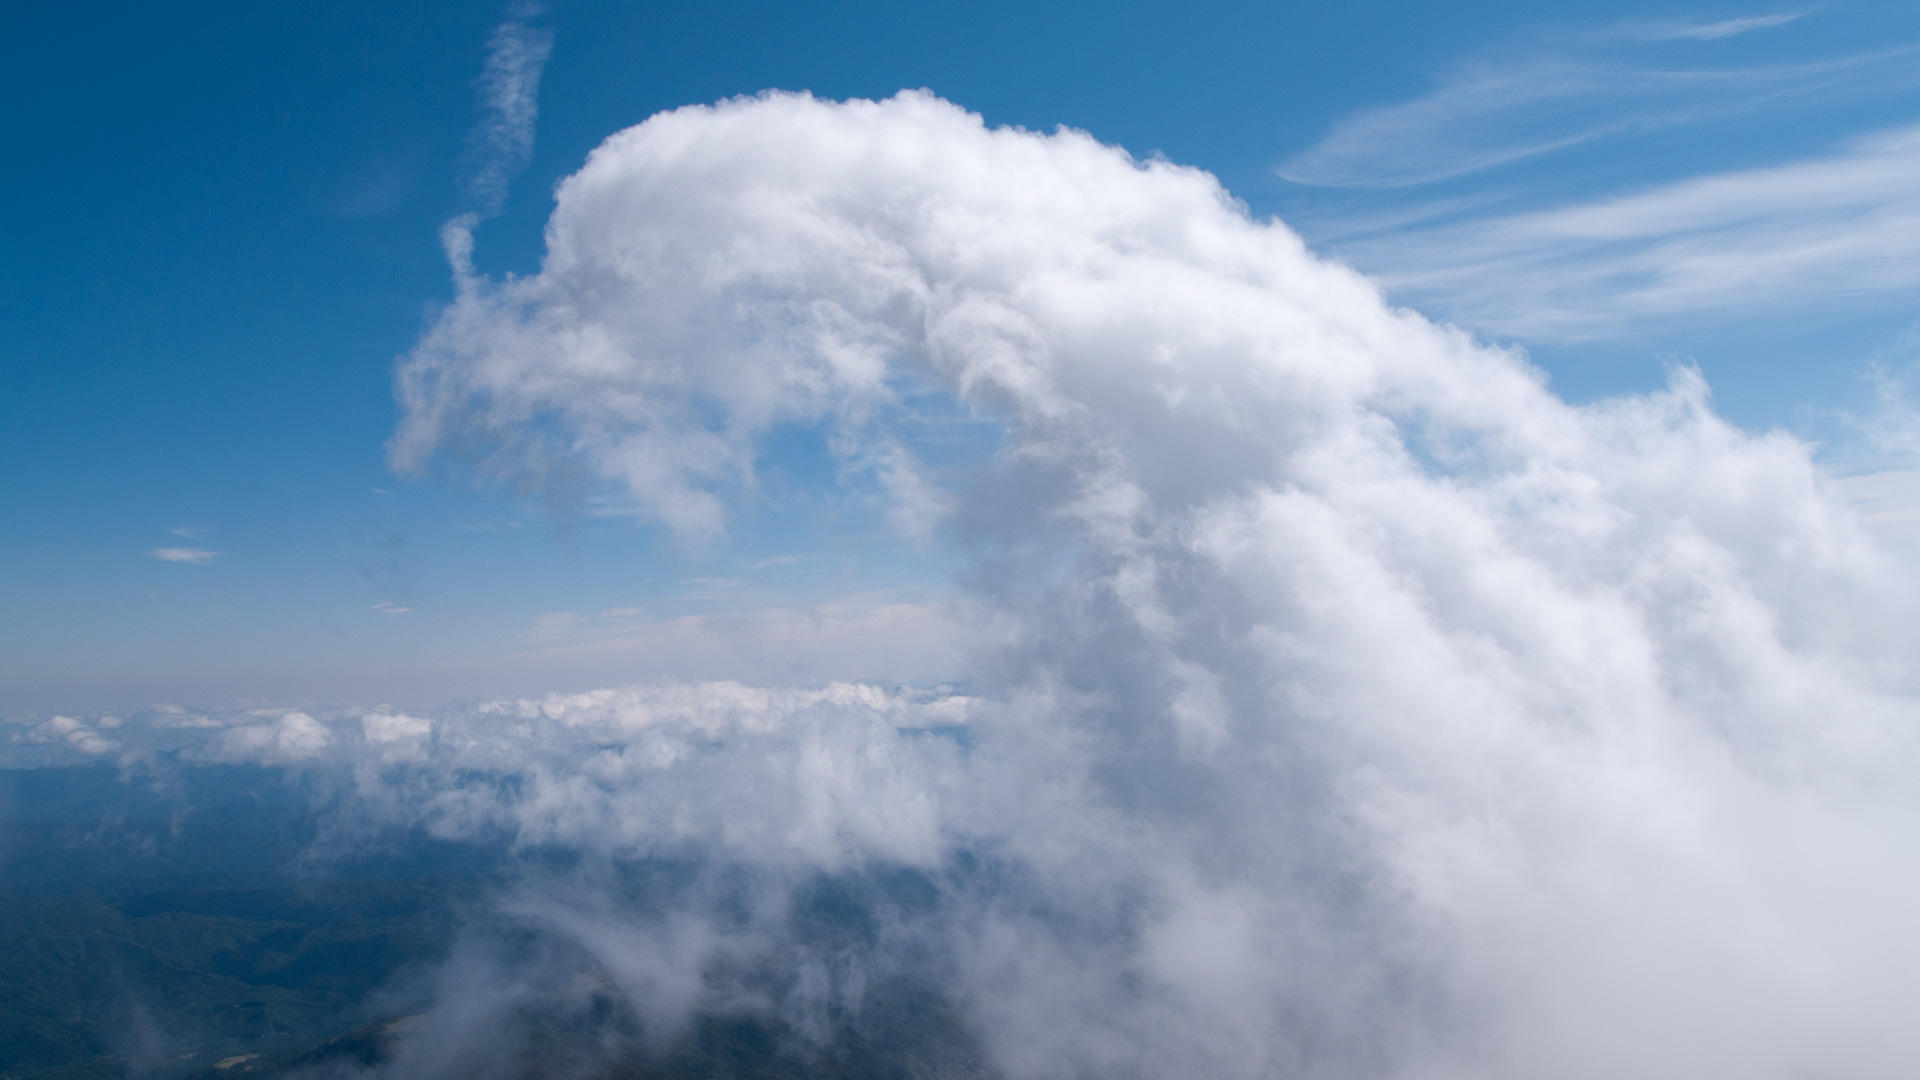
x=223 y=229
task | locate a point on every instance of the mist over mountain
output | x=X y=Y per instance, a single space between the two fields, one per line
x=1339 y=701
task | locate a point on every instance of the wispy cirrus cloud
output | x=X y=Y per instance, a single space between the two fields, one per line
x=1884 y=436
x=780 y=561
x=1712 y=31
x=1835 y=230
x=193 y=556
x=501 y=144
x=1493 y=111
x=1457 y=205
x=509 y=84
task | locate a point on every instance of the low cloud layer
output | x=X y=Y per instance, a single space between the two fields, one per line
x=1343 y=703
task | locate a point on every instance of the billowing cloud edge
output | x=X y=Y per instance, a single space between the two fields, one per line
x=1358 y=707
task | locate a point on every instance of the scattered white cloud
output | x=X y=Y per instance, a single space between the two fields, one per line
x=184 y=532
x=1344 y=703
x=388 y=607
x=78 y=734
x=195 y=556
x=291 y=738
x=381 y=728
x=1832 y=231
x=174 y=717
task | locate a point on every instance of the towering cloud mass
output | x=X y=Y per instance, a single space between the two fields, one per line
x=1356 y=707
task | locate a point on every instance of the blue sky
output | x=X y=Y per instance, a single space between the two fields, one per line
x=223 y=227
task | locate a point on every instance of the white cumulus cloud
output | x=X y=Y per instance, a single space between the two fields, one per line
x=1343 y=702
x=290 y=738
